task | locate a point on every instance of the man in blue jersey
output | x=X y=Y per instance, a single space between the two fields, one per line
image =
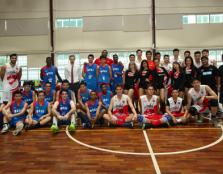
x=104 y=73
x=50 y=95
x=14 y=114
x=40 y=111
x=63 y=112
x=49 y=72
x=28 y=95
x=117 y=72
x=65 y=86
x=83 y=95
x=94 y=110
x=89 y=73
x=105 y=96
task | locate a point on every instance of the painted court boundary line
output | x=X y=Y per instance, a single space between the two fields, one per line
x=155 y=163
x=145 y=154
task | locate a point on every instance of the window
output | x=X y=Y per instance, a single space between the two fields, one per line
x=189 y=19
x=69 y=23
x=3 y=60
x=34 y=73
x=202 y=19
x=216 y=18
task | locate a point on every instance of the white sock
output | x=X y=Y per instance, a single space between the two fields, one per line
x=72 y=119
x=55 y=121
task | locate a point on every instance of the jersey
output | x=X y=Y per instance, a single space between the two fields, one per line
x=27 y=98
x=175 y=107
x=104 y=76
x=85 y=96
x=93 y=107
x=49 y=75
x=15 y=109
x=120 y=106
x=117 y=68
x=49 y=97
x=40 y=110
x=105 y=98
x=64 y=107
x=91 y=76
x=149 y=106
x=10 y=81
x=196 y=96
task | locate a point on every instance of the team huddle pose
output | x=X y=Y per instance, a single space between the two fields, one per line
x=150 y=93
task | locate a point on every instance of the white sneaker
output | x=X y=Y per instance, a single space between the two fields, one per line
x=18 y=130
x=5 y=128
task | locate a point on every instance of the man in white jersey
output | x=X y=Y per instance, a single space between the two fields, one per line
x=149 y=107
x=202 y=97
x=176 y=108
x=10 y=75
x=118 y=113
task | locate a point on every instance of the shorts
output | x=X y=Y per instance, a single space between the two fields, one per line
x=153 y=116
x=221 y=97
x=6 y=96
x=178 y=114
x=63 y=122
x=36 y=118
x=15 y=120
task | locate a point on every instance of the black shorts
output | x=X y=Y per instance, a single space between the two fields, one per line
x=128 y=87
x=213 y=103
x=221 y=97
x=143 y=85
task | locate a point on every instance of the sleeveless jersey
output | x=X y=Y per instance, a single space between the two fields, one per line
x=85 y=96
x=27 y=98
x=175 y=107
x=120 y=106
x=40 y=110
x=91 y=76
x=93 y=107
x=196 y=96
x=105 y=98
x=149 y=107
x=104 y=76
x=64 y=108
x=49 y=97
x=49 y=75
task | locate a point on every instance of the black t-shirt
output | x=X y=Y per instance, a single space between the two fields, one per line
x=220 y=73
x=131 y=78
x=208 y=76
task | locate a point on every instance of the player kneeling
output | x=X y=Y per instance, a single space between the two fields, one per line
x=176 y=108
x=15 y=114
x=39 y=113
x=118 y=113
x=149 y=105
x=201 y=98
x=63 y=112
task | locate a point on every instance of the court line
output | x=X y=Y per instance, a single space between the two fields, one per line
x=145 y=154
x=155 y=163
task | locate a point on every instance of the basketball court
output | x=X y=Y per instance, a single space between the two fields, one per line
x=188 y=149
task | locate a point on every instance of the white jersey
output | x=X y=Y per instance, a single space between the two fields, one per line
x=120 y=105
x=196 y=96
x=10 y=81
x=168 y=67
x=175 y=106
x=149 y=106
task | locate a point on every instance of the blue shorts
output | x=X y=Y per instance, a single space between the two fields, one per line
x=36 y=118
x=63 y=122
x=15 y=120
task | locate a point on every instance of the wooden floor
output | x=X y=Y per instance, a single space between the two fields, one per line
x=38 y=151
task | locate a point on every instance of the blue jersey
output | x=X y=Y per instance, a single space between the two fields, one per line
x=49 y=97
x=93 y=107
x=85 y=96
x=49 y=75
x=40 y=110
x=91 y=76
x=104 y=76
x=64 y=107
x=106 y=98
x=27 y=98
x=15 y=109
x=117 y=68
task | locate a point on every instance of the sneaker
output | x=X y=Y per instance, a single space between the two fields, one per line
x=5 y=128
x=18 y=130
x=128 y=124
x=54 y=128
x=217 y=123
x=71 y=127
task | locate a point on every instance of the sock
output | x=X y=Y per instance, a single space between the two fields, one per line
x=55 y=121
x=72 y=119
